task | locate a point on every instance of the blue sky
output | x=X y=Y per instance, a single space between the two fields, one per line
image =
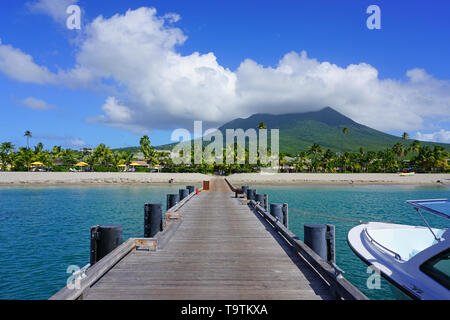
x=144 y=72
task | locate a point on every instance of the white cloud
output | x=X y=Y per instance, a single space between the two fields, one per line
x=56 y=9
x=77 y=143
x=116 y=115
x=65 y=141
x=136 y=54
x=439 y=136
x=36 y=104
x=21 y=67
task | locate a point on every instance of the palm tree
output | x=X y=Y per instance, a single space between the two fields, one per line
x=345 y=132
x=103 y=154
x=148 y=150
x=425 y=158
x=56 y=152
x=301 y=161
x=344 y=160
x=7 y=147
x=127 y=158
x=262 y=126
x=45 y=157
x=29 y=136
x=415 y=146
x=405 y=136
x=38 y=148
x=145 y=143
x=328 y=160
x=400 y=150
x=68 y=157
x=91 y=160
x=315 y=150
x=440 y=156
x=369 y=159
x=5 y=150
x=282 y=160
x=26 y=157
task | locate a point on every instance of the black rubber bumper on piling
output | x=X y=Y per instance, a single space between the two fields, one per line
x=183 y=193
x=276 y=210
x=172 y=200
x=316 y=239
x=153 y=220
x=262 y=199
x=251 y=193
x=280 y=211
x=104 y=239
x=191 y=189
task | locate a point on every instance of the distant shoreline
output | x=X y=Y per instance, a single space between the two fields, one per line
x=127 y=178
x=97 y=178
x=340 y=178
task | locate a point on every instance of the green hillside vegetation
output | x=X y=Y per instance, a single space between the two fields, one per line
x=323 y=141
x=298 y=132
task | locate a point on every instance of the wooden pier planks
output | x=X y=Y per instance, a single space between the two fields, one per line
x=220 y=251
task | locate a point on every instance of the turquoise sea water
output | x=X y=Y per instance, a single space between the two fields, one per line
x=44 y=230
x=383 y=203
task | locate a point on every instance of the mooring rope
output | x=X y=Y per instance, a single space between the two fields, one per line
x=327 y=216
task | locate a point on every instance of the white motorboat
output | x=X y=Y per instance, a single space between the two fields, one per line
x=414 y=259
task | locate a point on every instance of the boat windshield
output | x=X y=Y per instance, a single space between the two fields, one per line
x=438 y=268
x=440 y=207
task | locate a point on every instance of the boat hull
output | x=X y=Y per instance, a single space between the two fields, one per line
x=400 y=269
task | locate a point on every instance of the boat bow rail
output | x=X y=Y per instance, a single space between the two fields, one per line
x=395 y=254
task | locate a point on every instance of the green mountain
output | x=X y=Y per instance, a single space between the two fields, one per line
x=298 y=131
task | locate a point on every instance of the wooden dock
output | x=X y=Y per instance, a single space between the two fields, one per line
x=215 y=248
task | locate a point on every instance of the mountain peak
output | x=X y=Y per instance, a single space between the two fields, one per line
x=298 y=131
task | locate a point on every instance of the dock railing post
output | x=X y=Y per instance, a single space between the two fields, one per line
x=153 y=220
x=285 y=210
x=331 y=244
x=104 y=239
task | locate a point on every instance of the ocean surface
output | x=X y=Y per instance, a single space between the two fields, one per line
x=43 y=230
x=344 y=206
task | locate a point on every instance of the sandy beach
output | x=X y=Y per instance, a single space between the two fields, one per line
x=51 y=178
x=338 y=178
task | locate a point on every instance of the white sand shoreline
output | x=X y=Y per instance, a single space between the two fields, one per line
x=90 y=178
x=339 y=178
x=95 y=178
